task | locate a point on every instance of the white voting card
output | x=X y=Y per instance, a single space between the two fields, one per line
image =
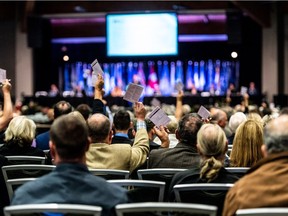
x=2 y=75
x=179 y=86
x=243 y=90
x=133 y=93
x=203 y=112
x=96 y=70
x=155 y=102
x=159 y=117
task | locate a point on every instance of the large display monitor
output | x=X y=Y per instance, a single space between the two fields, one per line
x=142 y=34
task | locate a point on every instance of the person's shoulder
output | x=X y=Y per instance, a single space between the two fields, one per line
x=43 y=135
x=120 y=146
x=35 y=185
x=189 y=173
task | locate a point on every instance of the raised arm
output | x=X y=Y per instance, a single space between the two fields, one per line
x=98 y=105
x=8 y=107
x=140 y=148
x=179 y=104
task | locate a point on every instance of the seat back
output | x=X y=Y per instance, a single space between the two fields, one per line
x=238 y=171
x=111 y=173
x=13 y=184
x=71 y=209
x=159 y=174
x=206 y=193
x=142 y=190
x=24 y=159
x=23 y=171
x=164 y=208
x=229 y=150
x=277 y=211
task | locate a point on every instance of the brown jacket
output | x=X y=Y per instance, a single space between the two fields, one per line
x=119 y=156
x=265 y=185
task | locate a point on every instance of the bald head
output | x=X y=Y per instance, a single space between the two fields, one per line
x=99 y=128
x=276 y=135
x=219 y=117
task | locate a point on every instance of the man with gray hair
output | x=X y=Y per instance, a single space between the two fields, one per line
x=265 y=184
x=235 y=120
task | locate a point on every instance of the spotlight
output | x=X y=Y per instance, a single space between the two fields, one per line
x=65 y=58
x=234 y=54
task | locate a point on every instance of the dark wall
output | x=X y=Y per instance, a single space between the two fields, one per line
x=8 y=50
x=48 y=58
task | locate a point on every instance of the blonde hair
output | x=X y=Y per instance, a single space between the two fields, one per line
x=21 y=130
x=256 y=117
x=246 y=150
x=211 y=143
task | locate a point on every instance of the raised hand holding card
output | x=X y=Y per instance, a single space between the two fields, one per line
x=133 y=93
x=203 y=113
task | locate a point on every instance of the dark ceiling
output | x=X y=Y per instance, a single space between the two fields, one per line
x=257 y=10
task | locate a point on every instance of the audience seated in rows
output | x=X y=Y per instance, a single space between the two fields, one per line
x=246 y=150
x=212 y=146
x=184 y=154
x=19 y=137
x=265 y=184
x=70 y=182
x=117 y=156
x=61 y=108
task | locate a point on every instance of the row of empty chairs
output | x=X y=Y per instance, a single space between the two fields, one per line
x=149 y=208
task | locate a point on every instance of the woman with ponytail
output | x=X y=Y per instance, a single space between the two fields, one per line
x=212 y=146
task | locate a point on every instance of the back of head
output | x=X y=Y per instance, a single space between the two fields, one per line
x=219 y=117
x=21 y=131
x=247 y=144
x=212 y=145
x=255 y=116
x=69 y=133
x=122 y=120
x=276 y=135
x=85 y=110
x=61 y=108
x=284 y=111
x=99 y=127
x=188 y=128
x=172 y=125
x=235 y=120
